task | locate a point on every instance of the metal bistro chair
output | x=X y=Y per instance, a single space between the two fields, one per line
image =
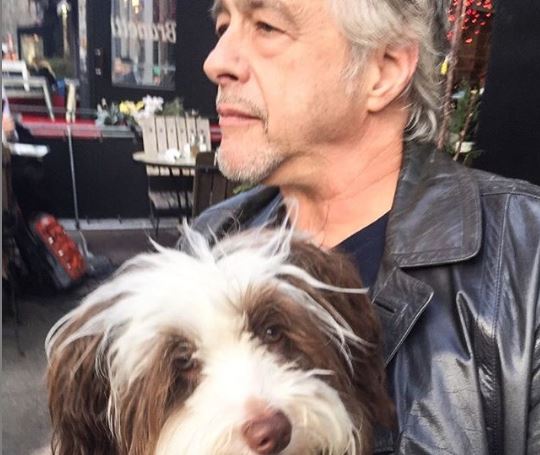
x=210 y=185
x=18 y=84
x=170 y=188
x=169 y=194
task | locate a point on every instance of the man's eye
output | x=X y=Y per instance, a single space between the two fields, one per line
x=265 y=27
x=221 y=29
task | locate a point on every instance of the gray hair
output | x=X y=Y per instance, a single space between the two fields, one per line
x=368 y=24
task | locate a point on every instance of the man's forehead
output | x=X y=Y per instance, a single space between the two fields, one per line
x=283 y=6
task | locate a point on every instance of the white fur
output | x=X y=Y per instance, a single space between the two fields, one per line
x=239 y=371
x=200 y=296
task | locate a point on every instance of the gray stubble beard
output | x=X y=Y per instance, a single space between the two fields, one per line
x=256 y=170
x=263 y=162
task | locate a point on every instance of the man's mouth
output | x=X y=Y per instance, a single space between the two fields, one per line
x=232 y=116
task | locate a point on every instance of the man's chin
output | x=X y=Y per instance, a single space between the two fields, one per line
x=240 y=165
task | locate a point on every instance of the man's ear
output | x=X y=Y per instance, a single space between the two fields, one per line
x=390 y=72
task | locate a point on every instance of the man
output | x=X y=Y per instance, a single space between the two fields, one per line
x=123 y=71
x=332 y=104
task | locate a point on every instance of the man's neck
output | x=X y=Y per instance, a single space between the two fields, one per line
x=350 y=190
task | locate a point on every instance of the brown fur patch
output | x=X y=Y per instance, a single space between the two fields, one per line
x=79 y=395
x=363 y=390
x=149 y=401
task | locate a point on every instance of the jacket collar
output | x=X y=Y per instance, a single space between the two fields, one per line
x=435 y=220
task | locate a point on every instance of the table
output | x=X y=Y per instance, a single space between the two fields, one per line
x=170 y=186
x=159 y=160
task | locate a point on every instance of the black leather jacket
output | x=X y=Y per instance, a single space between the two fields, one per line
x=458 y=294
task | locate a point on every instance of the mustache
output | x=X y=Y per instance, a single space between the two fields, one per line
x=245 y=104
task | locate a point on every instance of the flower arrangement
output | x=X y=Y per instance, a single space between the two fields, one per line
x=116 y=114
x=129 y=113
x=151 y=105
x=130 y=108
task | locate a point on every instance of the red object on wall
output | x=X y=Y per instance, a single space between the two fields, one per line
x=67 y=257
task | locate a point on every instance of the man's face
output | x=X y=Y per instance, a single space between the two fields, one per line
x=282 y=96
x=118 y=67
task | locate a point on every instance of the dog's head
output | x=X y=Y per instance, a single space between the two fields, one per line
x=262 y=344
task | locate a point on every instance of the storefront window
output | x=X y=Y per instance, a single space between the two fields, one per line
x=143 y=43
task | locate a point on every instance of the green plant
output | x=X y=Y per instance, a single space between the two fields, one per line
x=242 y=187
x=62 y=67
x=463 y=124
x=173 y=108
x=115 y=114
x=129 y=113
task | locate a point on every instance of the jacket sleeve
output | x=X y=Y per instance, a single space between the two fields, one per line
x=533 y=443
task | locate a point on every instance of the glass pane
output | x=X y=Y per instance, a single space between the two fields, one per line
x=143 y=43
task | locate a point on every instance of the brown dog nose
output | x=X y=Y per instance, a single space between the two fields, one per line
x=268 y=433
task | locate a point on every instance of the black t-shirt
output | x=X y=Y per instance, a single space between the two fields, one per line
x=365 y=249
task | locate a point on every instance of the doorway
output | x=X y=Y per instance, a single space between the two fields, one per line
x=150 y=47
x=132 y=49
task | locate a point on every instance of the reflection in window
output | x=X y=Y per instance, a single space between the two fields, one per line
x=143 y=42
x=31 y=46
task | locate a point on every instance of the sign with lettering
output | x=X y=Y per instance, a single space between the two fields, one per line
x=143 y=43
x=160 y=32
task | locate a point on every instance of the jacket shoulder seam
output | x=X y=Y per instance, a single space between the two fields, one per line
x=510 y=193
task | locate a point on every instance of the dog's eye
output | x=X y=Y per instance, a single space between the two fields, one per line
x=272 y=334
x=185 y=362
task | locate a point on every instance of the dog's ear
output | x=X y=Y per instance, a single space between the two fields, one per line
x=86 y=420
x=369 y=378
x=78 y=393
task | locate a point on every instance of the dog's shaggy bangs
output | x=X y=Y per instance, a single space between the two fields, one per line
x=236 y=264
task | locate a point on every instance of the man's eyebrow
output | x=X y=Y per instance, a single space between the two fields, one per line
x=248 y=6
x=217 y=8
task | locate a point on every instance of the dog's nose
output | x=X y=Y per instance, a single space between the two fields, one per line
x=268 y=433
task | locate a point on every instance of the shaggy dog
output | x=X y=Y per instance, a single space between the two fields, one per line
x=262 y=344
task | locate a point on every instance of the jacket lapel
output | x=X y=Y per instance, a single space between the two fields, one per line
x=436 y=216
x=399 y=300
x=435 y=220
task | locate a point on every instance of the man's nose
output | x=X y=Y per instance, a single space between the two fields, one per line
x=227 y=62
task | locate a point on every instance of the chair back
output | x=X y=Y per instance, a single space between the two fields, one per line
x=161 y=133
x=18 y=84
x=16 y=68
x=210 y=186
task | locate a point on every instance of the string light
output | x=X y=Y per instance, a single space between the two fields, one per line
x=477 y=14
